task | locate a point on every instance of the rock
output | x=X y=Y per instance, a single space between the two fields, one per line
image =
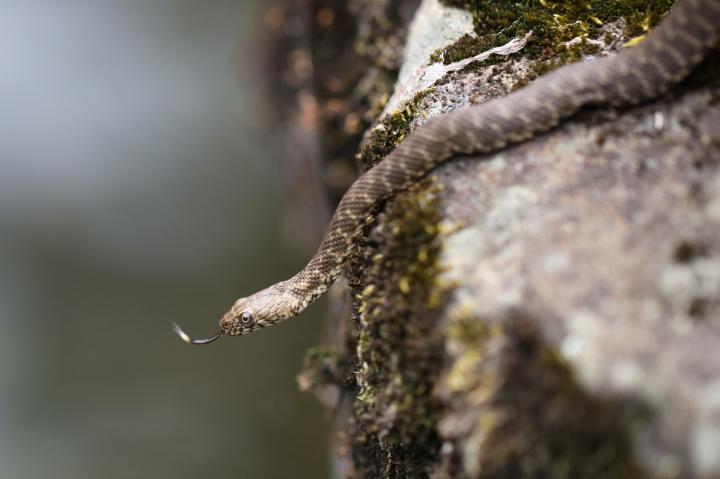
x=597 y=245
x=550 y=310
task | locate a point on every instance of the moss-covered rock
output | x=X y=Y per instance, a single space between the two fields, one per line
x=386 y=135
x=553 y=23
x=561 y=228
x=397 y=300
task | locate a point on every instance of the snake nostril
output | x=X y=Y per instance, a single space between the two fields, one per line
x=225 y=324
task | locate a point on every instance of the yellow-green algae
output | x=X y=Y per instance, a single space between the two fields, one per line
x=399 y=352
x=531 y=419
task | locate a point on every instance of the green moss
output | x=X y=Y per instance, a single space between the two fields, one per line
x=552 y=23
x=398 y=355
x=532 y=419
x=387 y=134
x=570 y=54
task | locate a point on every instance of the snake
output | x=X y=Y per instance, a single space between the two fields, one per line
x=685 y=37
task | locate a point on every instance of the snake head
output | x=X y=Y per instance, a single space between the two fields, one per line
x=241 y=319
x=264 y=308
x=245 y=316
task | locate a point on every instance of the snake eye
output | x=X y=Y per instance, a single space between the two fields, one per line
x=246 y=317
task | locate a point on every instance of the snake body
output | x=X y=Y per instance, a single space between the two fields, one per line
x=664 y=58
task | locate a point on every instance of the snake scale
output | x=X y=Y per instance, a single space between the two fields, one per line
x=669 y=53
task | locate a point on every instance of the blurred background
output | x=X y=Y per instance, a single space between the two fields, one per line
x=139 y=186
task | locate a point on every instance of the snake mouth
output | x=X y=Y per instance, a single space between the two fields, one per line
x=197 y=342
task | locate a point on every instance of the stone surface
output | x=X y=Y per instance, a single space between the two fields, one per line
x=434 y=26
x=581 y=331
x=603 y=235
x=551 y=310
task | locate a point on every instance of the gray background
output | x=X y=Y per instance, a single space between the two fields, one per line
x=138 y=186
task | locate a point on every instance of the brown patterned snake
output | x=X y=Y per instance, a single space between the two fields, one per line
x=634 y=75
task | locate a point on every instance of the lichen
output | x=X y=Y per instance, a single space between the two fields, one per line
x=553 y=23
x=398 y=354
